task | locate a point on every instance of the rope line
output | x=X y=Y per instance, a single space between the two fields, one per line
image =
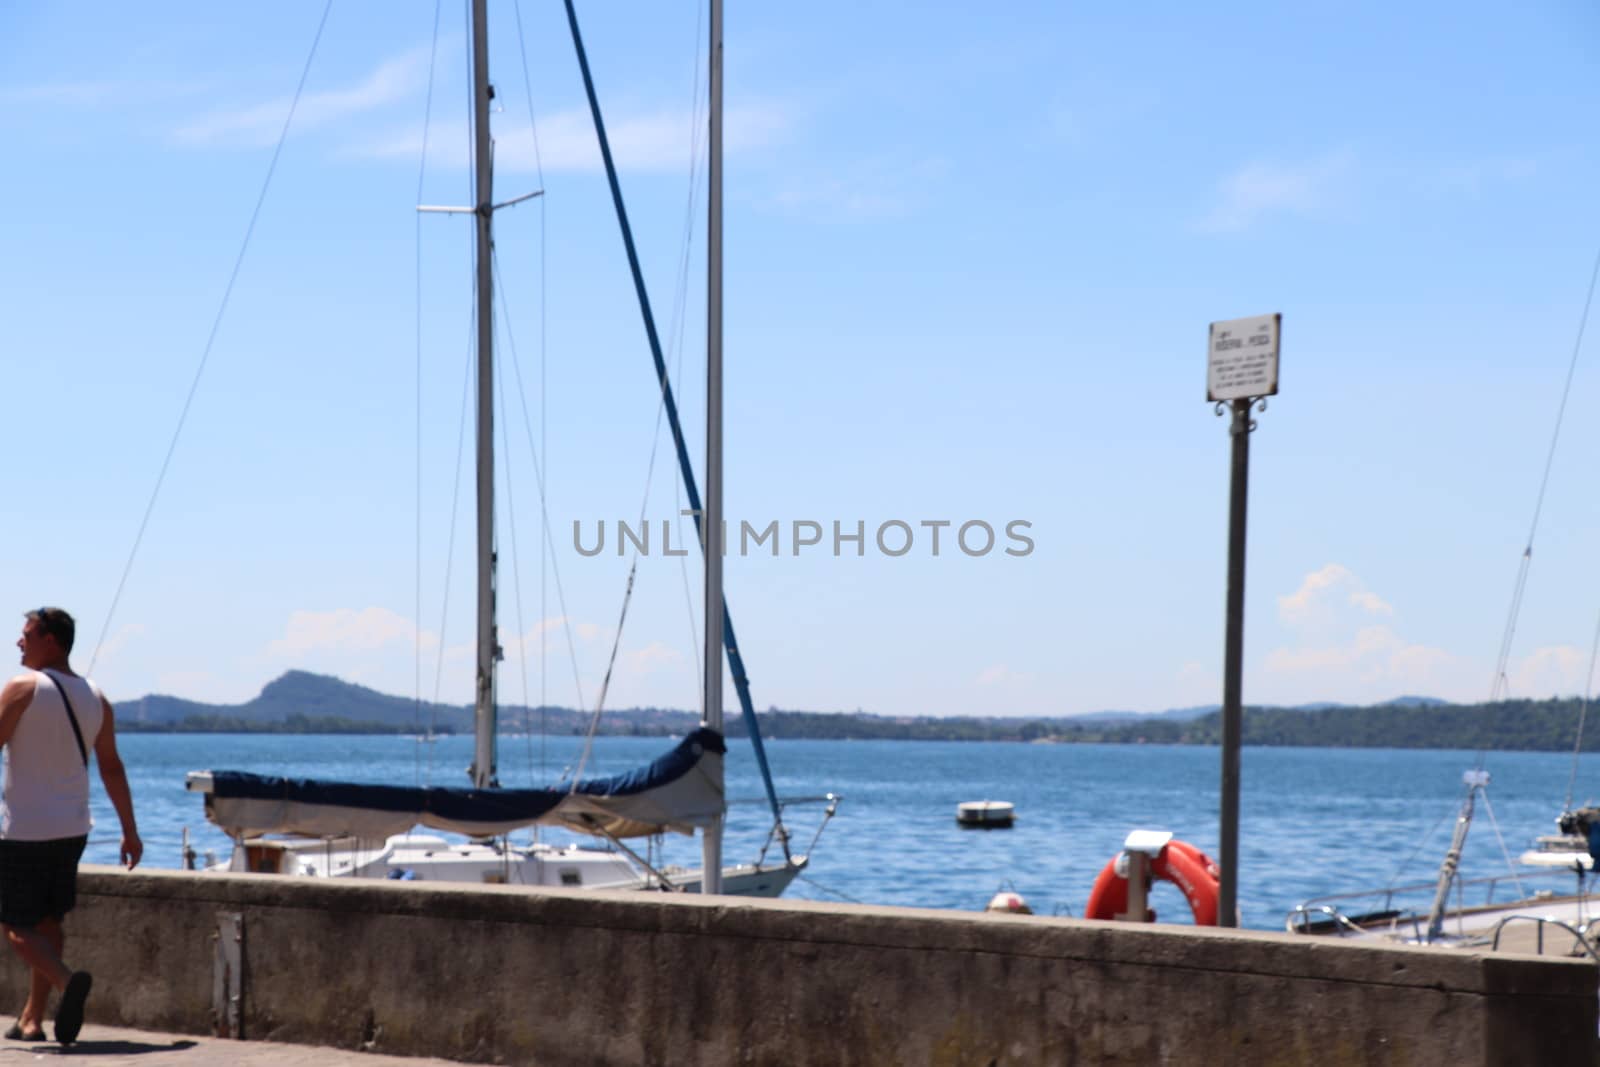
x=422 y=170
x=675 y=330
x=1500 y=683
x=211 y=338
x=544 y=542
x=1583 y=713
x=681 y=319
x=605 y=683
x=846 y=897
x=1495 y=825
x=1421 y=844
x=511 y=518
x=544 y=511
x=455 y=512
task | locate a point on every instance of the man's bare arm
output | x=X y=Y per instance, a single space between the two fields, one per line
x=14 y=700
x=115 y=778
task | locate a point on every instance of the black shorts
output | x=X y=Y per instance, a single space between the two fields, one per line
x=38 y=879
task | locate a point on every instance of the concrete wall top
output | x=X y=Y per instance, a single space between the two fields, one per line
x=1202 y=949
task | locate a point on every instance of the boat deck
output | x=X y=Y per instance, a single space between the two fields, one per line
x=1523 y=939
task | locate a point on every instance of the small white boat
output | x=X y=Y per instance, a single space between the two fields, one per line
x=986 y=814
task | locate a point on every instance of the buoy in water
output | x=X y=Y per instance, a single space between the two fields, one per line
x=986 y=815
x=1009 y=902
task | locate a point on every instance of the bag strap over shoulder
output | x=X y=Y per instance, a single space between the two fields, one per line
x=77 y=734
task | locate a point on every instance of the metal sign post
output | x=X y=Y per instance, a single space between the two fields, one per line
x=1241 y=372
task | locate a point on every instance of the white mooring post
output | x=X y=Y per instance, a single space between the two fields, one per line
x=1139 y=851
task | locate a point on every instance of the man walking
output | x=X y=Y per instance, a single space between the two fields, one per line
x=50 y=718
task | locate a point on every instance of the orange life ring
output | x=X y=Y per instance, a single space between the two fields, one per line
x=1180 y=863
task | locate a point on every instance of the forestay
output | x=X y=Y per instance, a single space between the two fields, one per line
x=681 y=791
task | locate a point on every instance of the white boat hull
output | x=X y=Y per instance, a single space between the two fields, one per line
x=428 y=858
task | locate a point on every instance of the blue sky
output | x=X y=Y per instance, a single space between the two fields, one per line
x=971 y=260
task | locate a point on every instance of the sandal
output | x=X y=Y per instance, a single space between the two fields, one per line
x=16 y=1033
x=69 y=1017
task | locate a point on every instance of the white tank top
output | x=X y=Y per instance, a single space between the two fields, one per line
x=46 y=791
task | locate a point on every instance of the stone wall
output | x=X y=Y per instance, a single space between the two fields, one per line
x=502 y=975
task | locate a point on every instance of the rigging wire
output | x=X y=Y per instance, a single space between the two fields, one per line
x=544 y=511
x=470 y=367
x=511 y=509
x=1495 y=825
x=211 y=338
x=1583 y=713
x=697 y=128
x=450 y=542
x=1421 y=844
x=605 y=682
x=422 y=170
x=1497 y=689
x=847 y=898
x=675 y=330
x=544 y=542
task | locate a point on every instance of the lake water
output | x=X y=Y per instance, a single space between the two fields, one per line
x=1313 y=821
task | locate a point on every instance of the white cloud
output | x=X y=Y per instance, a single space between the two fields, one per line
x=1370 y=603
x=392 y=80
x=1375 y=655
x=658 y=141
x=108 y=651
x=650 y=658
x=1556 y=670
x=1337 y=651
x=345 y=629
x=865 y=189
x=547 y=633
x=1000 y=674
x=1260 y=190
x=1323 y=592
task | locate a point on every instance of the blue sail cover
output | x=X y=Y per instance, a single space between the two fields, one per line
x=680 y=791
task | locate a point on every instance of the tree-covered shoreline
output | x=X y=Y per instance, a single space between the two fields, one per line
x=301 y=703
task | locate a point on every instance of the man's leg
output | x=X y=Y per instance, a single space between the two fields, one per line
x=40 y=951
x=32 y=1018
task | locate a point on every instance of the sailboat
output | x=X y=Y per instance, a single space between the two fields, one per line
x=1524 y=905
x=1457 y=911
x=345 y=829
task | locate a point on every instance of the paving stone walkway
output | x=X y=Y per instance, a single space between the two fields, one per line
x=107 y=1045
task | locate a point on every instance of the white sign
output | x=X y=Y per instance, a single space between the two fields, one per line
x=1242 y=358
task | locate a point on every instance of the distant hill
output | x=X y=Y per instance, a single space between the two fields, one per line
x=301 y=702
x=1415 y=702
x=1188 y=714
x=1511 y=725
x=1172 y=715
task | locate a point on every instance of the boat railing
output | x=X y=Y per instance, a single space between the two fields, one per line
x=1579 y=934
x=1393 y=907
x=779 y=833
x=1301 y=921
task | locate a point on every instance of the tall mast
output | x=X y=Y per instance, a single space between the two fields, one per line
x=711 y=537
x=483 y=762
